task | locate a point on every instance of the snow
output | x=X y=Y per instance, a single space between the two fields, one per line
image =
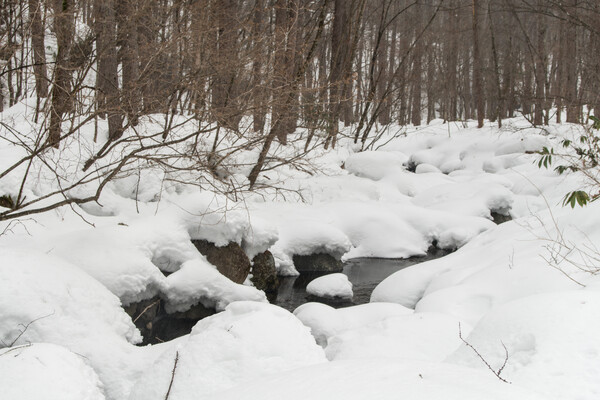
x=531 y=284
x=419 y=336
x=326 y=321
x=245 y=342
x=551 y=340
x=46 y=371
x=331 y=286
x=380 y=379
x=198 y=281
x=45 y=299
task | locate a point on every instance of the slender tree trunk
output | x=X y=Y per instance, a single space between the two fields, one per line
x=417 y=73
x=39 y=50
x=64 y=26
x=128 y=21
x=477 y=80
x=107 y=80
x=224 y=88
x=571 y=98
x=540 y=70
x=259 y=99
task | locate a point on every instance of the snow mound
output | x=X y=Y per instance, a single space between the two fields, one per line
x=208 y=216
x=246 y=341
x=468 y=198
x=325 y=321
x=551 y=340
x=306 y=238
x=114 y=258
x=46 y=371
x=427 y=169
x=375 y=164
x=419 y=336
x=197 y=281
x=60 y=304
x=407 y=286
x=382 y=380
x=331 y=286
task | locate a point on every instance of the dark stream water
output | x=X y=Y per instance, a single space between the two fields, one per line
x=364 y=273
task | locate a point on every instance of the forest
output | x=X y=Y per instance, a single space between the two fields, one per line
x=298 y=63
x=299 y=199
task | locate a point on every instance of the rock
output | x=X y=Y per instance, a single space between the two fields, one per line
x=333 y=286
x=500 y=218
x=171 y=326
x=317 y=262
x=157 y=326
x=264 y=273
x=230 y=260
x=143 y=315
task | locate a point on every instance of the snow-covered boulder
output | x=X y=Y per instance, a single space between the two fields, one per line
x=230 y=260
x=246 y=341
x=45 y=299
x=375 y=164
x=325 y=321
x=46 y=371
x=197 y=281
x=333 y=286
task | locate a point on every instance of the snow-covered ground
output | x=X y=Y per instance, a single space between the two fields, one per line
x=512 y=314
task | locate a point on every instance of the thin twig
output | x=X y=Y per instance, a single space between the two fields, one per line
x=497 y=373
x=25 y=327
x=145 y=309
x=172 y=375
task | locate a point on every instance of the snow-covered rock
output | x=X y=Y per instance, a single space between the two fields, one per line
x=331 y=286
x=197 y=281
x=46 y=371
x=325 y=321
x=245 y=342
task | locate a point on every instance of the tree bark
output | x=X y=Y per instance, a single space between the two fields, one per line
x=107 y=80
x=39 y=50
x=477 y=80
x=64 y=26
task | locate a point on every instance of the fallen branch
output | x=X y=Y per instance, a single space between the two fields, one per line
x=25 y=327
x=145 y=309
x=499 y=371
x=172 y=375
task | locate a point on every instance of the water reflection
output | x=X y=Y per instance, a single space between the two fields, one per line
x=364 y=273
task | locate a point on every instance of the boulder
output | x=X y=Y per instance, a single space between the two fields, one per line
x=156 y=325
x=230 y=260
x=318 y=262
x=143 y=314
x=171 y=326
x=264 y=273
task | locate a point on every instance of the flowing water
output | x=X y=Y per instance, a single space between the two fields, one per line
x=364 y=273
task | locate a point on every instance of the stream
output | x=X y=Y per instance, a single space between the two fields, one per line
x=364 y=273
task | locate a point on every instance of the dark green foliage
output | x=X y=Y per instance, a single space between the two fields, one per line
x=583 y=156
x=577 y=197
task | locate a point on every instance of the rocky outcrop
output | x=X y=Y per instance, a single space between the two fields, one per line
x=318 y=262
x=264 y=273
x=156 y=325
x=500 y=218
x=230 y=260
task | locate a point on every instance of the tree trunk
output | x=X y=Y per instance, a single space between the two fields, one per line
x=107 y=80
x=39 y=50
x=64 y=26
x=477 y=80
x=128 y=21
x=571 y=99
